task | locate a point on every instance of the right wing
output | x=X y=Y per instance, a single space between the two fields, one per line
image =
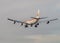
x=48 y=21
x=15 y=21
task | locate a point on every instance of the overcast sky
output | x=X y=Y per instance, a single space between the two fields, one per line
x=24 y=9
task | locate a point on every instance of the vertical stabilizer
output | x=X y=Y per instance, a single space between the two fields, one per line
x=38 y=14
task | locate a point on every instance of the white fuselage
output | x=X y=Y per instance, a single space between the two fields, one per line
x=32 y=21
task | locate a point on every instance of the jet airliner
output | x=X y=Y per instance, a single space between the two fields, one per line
x=34 y=21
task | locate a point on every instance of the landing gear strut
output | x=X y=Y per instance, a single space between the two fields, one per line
x=21 y=24
x=31 y=25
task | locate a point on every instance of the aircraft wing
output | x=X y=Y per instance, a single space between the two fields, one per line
x=48 y=21
x=15 y=21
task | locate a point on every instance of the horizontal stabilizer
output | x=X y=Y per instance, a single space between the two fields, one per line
x=35 y=18
x=39 y=18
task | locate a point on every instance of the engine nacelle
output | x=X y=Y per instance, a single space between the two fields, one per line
x=48 y=22
x=37 y=24
x=26 y=26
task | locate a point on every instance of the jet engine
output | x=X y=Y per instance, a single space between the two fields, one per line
x=37 y=24
x=48 y=22
x=26 y=25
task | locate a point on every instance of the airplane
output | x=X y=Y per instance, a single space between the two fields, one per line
x=34 y=21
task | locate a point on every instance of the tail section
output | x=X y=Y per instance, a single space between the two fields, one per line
x=37 y=15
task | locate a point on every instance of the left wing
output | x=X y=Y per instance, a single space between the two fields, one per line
x=15 y=21
x=48 y=21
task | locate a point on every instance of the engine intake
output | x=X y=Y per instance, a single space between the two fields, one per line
x=48 y=22
x=26 y=26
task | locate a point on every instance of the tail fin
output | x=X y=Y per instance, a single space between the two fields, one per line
x=38 y=14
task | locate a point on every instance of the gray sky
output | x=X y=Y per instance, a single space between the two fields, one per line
x=22 y=10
